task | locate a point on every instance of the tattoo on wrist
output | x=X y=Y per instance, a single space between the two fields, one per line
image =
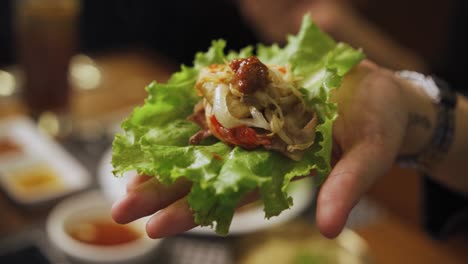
x=443 y=127
x=417 y=120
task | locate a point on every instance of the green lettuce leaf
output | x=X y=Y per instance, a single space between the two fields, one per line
x=155 y=138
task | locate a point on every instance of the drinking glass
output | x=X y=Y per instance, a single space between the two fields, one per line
x=46 y=35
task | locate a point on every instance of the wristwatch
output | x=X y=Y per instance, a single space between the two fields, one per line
x=445 y=100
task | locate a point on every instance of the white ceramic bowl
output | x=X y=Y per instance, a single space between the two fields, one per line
x=92 y=205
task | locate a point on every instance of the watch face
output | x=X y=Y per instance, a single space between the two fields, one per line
x=425 y=83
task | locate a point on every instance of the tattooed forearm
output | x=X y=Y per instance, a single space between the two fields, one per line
x=417 y=120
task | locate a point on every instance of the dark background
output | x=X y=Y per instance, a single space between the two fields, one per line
x=434 y=29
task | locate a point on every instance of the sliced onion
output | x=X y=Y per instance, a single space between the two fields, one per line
x=288 y=101
x=277 y=127
x=276 y=124
x=285 y=137
x=258 y=120
x=302 y=146
x=227 y=120
x=221 y=110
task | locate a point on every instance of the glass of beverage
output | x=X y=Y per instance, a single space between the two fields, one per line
x=46 y=34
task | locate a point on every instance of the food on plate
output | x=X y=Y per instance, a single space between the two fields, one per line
x=240 y=121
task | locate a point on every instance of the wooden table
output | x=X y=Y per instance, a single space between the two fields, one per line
x=394 y=237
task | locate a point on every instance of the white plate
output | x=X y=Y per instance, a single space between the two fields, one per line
x=112 y=187
x=38 y=149
x=302 y=192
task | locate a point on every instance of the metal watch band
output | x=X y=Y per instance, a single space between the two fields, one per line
x=445 y=100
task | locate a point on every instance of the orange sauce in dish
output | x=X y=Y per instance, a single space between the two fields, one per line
x=8 y=146
x=36 y=180
x=103 y=232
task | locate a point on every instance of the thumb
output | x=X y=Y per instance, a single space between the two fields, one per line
x=352 y=176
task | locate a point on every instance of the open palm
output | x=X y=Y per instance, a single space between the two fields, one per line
x=367 y=134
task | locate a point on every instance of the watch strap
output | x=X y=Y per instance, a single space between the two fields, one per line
x=443 y=133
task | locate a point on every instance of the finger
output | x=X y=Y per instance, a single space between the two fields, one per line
x=136 y=181
x=349 y=180
x=147 y=198
x=172 y=220
x=178 y=217
x=336 y=153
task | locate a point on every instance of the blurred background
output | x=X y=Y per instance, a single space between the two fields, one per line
x=71 y=70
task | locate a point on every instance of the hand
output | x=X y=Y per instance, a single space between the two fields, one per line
x=368 y=134
x=264 y=17
x=339 y=18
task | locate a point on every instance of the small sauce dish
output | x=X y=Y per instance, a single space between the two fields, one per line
x=34 y=169
x=81 y=226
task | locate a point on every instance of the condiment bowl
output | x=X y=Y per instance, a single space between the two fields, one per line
x=77 y=213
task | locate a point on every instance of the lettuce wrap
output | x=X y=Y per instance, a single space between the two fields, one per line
x=156 y=135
